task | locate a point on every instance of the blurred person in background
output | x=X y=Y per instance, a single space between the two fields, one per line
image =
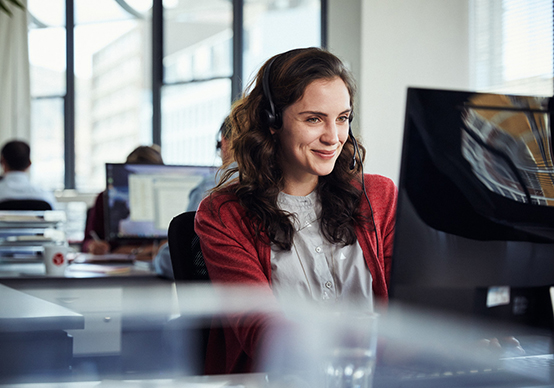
x=15 y=184
x=162 y=261
x=210 y=181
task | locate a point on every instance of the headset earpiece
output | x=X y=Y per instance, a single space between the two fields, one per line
x=270 y=117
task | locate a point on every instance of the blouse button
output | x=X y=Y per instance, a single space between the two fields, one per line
x=328 y=284
x=318 y=249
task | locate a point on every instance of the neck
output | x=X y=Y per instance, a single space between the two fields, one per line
x=300 y=189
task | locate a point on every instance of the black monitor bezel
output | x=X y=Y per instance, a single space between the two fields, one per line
x=466 y=299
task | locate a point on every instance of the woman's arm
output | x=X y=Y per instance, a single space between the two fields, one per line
x=234 y=256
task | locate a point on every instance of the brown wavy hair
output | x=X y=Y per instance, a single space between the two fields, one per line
x=255 y=151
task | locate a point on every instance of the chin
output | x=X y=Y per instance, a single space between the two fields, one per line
x=324 y=171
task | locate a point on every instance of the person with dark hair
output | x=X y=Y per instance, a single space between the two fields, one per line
x=15 y=159
x=95 y=234
x=209 y=182
x=302 y=219
x=145 y=155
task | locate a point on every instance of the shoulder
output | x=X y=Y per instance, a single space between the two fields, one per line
x=382 y=192
x=220 y=217
x=379 y=184
x=223 y=206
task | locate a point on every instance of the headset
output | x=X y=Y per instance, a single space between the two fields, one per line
x=273 y=119
x=352 y=167
x=354 y=143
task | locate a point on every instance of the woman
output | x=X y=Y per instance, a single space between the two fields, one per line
x=297 y=218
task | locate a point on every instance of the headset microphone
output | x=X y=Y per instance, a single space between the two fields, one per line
x=354 y=143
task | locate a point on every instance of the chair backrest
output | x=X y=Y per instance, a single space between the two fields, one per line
x=25 y=204
x=184 y=248
x=188 y=265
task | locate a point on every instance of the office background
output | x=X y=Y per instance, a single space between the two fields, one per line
x=389 y=45
x=484 y=45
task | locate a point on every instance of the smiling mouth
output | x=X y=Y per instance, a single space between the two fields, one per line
x=325 y=154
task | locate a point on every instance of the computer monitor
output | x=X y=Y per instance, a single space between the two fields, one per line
x=141 y=199
x=475 y=221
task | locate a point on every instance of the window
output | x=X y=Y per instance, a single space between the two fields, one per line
x=198 y=65
x=102 y=70
x=512 y=46
x=47 y=56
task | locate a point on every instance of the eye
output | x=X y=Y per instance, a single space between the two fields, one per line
x=342 y=119
x=313 y=120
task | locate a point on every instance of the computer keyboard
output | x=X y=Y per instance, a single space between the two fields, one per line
x=510 y=372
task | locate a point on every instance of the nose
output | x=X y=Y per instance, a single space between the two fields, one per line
x=330 y=133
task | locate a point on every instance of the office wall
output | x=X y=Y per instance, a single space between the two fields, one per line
x=405 y=43
x=401 y=43
x=344 y=29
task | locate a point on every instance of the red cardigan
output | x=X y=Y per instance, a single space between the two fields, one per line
x=233 y=254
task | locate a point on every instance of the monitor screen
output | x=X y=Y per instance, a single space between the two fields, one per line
x=142 y=199
x=475 y=219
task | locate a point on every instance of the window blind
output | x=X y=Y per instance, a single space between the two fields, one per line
x=512 y=46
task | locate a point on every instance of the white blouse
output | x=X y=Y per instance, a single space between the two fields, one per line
x=315 y=268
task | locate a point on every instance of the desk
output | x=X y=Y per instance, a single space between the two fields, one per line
x=133 y=338
x=77 y=270
x=33 y=337
x=20 y=312
x=122 y=321
x=254 y=380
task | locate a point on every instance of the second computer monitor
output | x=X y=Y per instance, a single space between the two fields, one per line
x=142 y=199
x=475 y=219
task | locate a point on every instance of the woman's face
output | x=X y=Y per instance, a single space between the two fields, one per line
x=314 y=131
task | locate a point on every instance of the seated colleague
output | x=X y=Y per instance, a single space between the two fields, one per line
x=94 y=241
x=208 y=183
x=162 y=261
x=301 y=201
x=15 y=184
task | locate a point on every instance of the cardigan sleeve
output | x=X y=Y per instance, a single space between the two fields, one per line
x=386 y=208
x=382 y=193
x=233 y=256
x=230 y=249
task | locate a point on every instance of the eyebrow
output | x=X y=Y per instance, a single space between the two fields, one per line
x=311 y=112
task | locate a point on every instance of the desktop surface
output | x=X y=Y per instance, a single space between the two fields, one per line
x=82 y=265
x=147 y=332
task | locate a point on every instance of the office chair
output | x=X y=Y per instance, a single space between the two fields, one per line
x=188 y=265
x=25 y=204
x=184 y=248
